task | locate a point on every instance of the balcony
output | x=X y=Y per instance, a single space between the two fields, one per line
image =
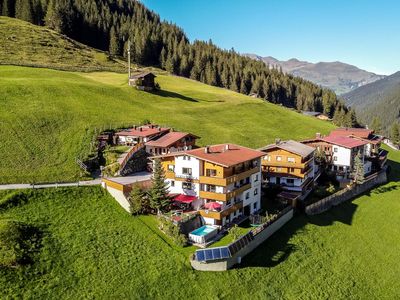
x=284 y=164
x=224 y=196
x=228 y=180
x=219 y=215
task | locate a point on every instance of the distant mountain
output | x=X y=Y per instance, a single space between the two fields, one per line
x=378 y=99
x=337 y=76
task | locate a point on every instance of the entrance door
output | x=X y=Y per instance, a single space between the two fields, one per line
x=246 y=210
x=278 y=180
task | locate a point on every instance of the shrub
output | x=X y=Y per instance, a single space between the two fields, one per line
x=234 y=232
x=331 y=189
x=172 y=231
x=18 y=242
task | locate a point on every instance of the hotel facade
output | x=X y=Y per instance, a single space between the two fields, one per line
x=221 y=182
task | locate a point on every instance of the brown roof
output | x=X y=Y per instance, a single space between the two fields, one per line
x=143 y=131
x=169 y=139
x=291 y=146
x=226 y=155
x=142 y=75
x=345 y=141
x=359 y=132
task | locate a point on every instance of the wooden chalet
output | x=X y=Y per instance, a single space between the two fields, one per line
x=143 y=81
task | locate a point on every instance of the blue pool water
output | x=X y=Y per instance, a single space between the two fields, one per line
x=203 y=230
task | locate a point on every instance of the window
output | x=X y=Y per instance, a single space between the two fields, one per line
x=256 y=178
x=267 y=157
x=291 y=159
x=278 y=158
x=211 y=188
x=187 y=171
x=279 y=169
x=186 y=157
x=290 y=181
x=247 y=195
x=255 y=192
x=335 y=158
x=211 y=173
x=228 y=202
x=171 y=168
x=255 y=205
x=335 y=149
x=291 y=170
x=187 y=185
x=172 y=183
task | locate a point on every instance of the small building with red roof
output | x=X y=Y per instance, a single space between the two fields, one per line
x=171 y=142
x=140 y=134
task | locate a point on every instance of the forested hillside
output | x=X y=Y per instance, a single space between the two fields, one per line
x=378 y=103
x=108 y=25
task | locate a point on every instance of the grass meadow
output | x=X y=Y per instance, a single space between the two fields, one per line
x=47 y=117
x=91 y=248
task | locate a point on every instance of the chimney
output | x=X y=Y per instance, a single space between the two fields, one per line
x=318 y=135
x=134 y=127
x=159 y=129
x=227 y=147
x=277 y=141
x=206 y=149
x=140 y=129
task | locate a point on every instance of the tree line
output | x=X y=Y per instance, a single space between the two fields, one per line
x=109 y=24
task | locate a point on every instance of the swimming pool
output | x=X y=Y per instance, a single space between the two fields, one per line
x=203 y=234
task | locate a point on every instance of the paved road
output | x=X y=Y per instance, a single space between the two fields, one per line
x=123 y=180
x=16 y=186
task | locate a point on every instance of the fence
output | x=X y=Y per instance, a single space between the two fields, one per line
x=346 y=194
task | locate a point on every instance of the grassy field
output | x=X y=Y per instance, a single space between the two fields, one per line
x=22 y=43
x=48 y=117
x=92 y=249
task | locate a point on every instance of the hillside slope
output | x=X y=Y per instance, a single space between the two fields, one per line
x=46 y=126
x=24 y=44
x=337 y=76
x=92 y=245
x=378 y=99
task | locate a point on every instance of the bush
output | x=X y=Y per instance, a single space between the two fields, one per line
x=172 y=231
x=234 y=232
x=18 y=242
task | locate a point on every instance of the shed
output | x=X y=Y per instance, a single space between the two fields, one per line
x=143 y=81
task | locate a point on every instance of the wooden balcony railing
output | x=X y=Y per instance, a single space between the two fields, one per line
x=228 y=180
x=224 y=196
x=219 y=215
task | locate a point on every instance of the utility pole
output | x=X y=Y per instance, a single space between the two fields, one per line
x=129 y=60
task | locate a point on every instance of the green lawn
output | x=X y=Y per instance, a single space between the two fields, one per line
x=25 y=44
x=48 y=117
x=93 y=249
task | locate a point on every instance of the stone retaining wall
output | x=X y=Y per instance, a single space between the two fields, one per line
x=137 y=163
x=346 y=194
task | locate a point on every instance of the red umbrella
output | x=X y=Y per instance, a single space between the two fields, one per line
x=212 y=205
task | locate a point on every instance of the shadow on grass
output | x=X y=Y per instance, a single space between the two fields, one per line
x=278 y=248
x=169 y=94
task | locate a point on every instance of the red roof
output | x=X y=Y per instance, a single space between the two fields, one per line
x=143 y=131
x=344 y=141
x=226 y=155
x=184 y=198
x=169 y=139
x=358 y=132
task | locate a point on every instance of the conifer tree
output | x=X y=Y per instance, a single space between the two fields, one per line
x=24 y=10
x=377 y=125
x=159 y=199
x=395 y=133
x=358 y=169
x=114 y=47
x=138 y=200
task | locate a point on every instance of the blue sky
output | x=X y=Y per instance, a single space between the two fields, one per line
x=364 y=33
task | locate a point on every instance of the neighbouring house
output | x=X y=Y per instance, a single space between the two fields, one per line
x=290 y=164
x=140 y=134
x=171 y=142
x=344 y=151
x=222 y=182
x=317 y=115
x=143 y=81
x=342 y=145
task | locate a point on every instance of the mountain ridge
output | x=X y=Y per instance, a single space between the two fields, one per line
x=337 y=76
x=379 y=99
